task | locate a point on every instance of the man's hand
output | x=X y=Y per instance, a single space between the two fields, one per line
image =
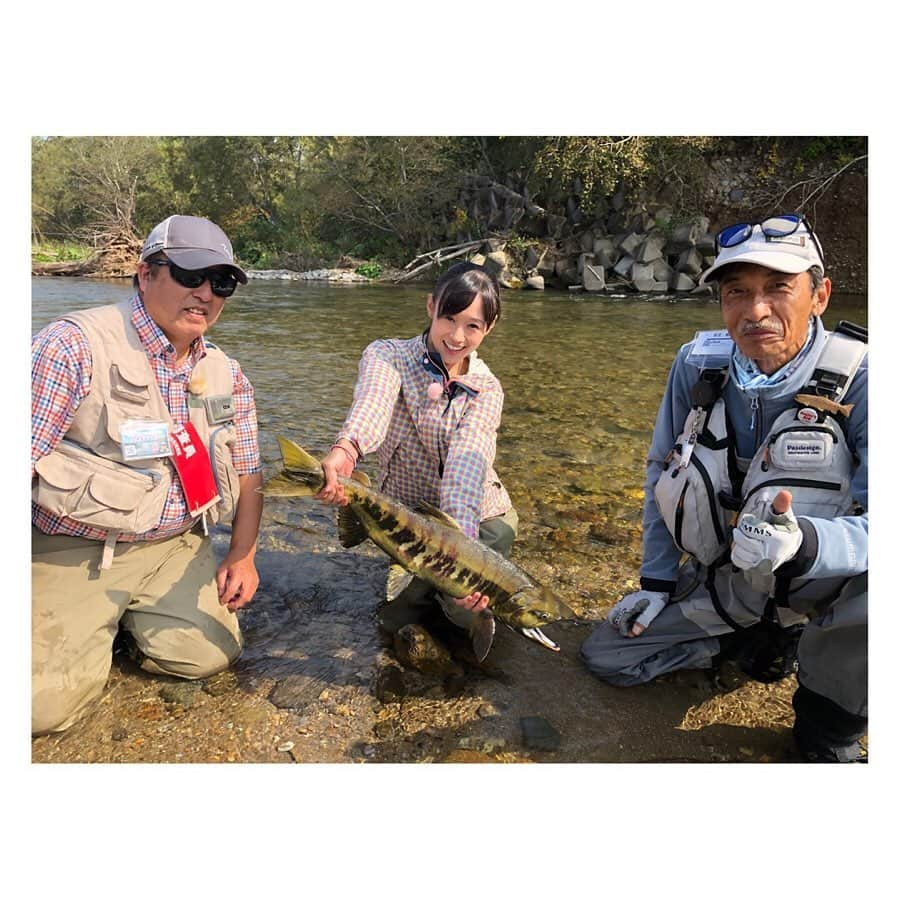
x=760 y=547
x=237 y=580
x=635 y=611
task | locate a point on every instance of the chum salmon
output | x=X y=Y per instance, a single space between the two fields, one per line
x=430 y=545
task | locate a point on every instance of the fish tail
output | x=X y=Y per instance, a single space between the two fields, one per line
x=302 y=475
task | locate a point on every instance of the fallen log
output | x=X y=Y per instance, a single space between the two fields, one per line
x=439 y=255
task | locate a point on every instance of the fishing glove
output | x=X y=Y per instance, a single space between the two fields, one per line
x=760 y=547
x=637 y=608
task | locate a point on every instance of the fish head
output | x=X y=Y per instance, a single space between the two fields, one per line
x=534 y=606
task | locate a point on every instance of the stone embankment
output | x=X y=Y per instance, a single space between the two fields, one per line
x=628 y=246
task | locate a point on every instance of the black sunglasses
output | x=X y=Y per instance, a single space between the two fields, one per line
x=775 y=227
x=222 y=283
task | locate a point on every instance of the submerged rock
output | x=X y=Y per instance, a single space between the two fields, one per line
x=420 y=650
x=539 y=734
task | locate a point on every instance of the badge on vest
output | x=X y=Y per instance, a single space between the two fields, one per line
x=219 y=409
x=711 y=349
x=191 y=461
x=144 y=439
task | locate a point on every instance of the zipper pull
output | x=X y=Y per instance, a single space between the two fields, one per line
x=754 y=406
x=688 y=449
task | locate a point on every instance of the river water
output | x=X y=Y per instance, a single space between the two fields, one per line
x=583 y=376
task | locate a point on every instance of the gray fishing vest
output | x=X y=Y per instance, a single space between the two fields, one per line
x=805 y=451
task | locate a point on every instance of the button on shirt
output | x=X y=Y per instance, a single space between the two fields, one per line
x=438 y=450
x=61 y=371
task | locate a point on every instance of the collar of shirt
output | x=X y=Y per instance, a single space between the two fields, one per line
x=154 y=339
x=434 y=366
x=748 y=377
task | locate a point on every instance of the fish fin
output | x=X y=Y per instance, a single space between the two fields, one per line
x=362 y=478
x=295 y=457
x=426 y=509
x=482 y=634
x=285 y=486
x=351 y=530
x=397 y=581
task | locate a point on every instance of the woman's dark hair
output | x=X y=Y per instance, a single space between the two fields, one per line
x=460 y=284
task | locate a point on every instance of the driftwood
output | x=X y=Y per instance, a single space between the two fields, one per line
x=435 y=257
x=117 y=257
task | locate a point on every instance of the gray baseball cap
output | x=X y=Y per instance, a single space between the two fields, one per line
x=192 y=243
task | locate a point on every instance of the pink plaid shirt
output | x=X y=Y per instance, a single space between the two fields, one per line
x=441 y=451
x=61 y=378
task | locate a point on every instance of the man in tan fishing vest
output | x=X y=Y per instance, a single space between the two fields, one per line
x=144 y=434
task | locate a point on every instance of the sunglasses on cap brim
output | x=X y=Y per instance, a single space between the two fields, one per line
x=774 y=227
x=222 y=282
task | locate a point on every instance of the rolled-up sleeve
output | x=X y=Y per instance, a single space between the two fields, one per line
x=374 y=396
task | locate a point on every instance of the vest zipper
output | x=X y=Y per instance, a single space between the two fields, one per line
x=793 y=482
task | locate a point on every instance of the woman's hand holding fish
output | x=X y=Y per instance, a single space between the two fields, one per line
x=339 y=462
x=474 y=602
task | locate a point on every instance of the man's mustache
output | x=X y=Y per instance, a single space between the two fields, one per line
x=765 y=325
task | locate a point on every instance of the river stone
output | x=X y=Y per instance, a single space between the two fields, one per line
x=390 y=686
x=531 y=258
x=420 y=650
x=221 y=684
x=535 y=282
x=496 y=262
x=539 y=734
x=184 y=693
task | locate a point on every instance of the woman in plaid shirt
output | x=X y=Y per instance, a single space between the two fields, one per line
x=429 y=407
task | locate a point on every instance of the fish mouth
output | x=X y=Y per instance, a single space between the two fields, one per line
x=535 y=634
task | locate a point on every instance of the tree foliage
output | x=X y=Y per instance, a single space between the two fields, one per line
x=294 y=200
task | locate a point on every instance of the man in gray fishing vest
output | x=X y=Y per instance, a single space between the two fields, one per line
x=144 y=435
x=758 y=472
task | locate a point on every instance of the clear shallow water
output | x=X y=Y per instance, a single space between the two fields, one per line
x=583 y=376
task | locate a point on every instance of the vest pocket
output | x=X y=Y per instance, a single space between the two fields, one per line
x=687 y=500
x=227 y=483
x=73 y=482
x=132 y=386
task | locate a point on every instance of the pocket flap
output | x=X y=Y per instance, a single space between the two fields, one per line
x=116 y=493
x=131 y=381
x=61 y=472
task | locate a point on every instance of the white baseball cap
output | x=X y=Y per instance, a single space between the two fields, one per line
x=768 y=244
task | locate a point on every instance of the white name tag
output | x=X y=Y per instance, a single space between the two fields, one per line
x=144 y=439
x=711 y=349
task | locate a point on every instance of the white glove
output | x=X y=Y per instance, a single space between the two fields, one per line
x=760 y=547
x=638 y=608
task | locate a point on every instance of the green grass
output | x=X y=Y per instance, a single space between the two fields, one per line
x=59 y=251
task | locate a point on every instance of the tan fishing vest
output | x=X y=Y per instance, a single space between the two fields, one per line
x=85 y=477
